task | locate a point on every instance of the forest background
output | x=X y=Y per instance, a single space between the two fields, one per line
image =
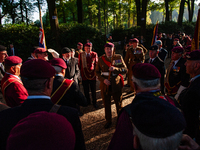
x=67 y=22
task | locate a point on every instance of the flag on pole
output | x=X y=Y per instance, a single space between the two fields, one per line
x=155 y=32
x=42 y=42
x=195 y=40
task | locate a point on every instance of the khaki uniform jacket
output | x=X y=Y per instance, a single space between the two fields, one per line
x=102 y=69
x=134 y=56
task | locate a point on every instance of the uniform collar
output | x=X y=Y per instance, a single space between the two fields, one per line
x=38 y=97
x=194 y=78
x=13 y=75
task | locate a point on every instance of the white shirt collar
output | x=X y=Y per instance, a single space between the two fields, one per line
x=60 y=75
x=38 y=97
x=176 y=61
x=194 y=78
x=13 y=75
x=152 y=59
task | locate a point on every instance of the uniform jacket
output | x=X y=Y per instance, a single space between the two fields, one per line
x=121 y=68
x=162 y=54
x=15 y=93
x=72 y=70
x=72 y=97
x=177 y=75
x=77 y=52
x=190 y=104
x=88 y=73
x=134 y=56
x=10 y=117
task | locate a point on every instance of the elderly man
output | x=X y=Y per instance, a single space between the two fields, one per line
x=176 y=78
x=189 y=98
x=42 y=53
x=87 y=63
x=146 y=83
x=112 y=87
x=12 y=87
x=37 y=76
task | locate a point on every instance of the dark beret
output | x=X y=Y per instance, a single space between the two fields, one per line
x=2 y=48
x=88 y=44
x=154 y=47
x=194 y=55
x=80 y=44
x=13 y=60
x=109 y=45
x=37 y=68
x=176 y=39
x=188 y=48
x=134 y=40
x=177 y=49
x=145 y=71
x=58 y=62
x=42 y=130
x=66 y=50
x=155 y=117
x=40 y=50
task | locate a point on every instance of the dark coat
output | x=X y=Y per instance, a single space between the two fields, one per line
x=72 y=97
x=10 y=117
x=162 y=54
x=72 y=70
x=10 y=52
x=190 y=104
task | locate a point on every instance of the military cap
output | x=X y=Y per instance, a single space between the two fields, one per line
x=177 y=49
x=37 y=69
x=109 y=44
x=66 y=50
x=158 y=42
x=13 y=60
x=156 y=118
x=194 y=55
x=188 y=48
x=58 y=62
x=145 y=71
x=42 y=130
x=176 y=39
x=80 y=44
x=40 y=50
x=88 y=44
x=2 y=48
x=154 y=47
x=33 y=49
x=134 y=40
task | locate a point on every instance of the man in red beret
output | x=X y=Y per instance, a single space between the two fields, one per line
x=189 y=98
x=41 y=53
x=87 y=63
x=134 y=55
x=79 y=49
x=12 y=87
x=37 y=76
x=146 y=83
x=112 y=87
x=176 y=78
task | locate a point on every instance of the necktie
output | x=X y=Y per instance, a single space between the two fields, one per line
x=172 y=65
x=151 y=61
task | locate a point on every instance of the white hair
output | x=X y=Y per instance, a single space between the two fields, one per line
x=169 y=143
x=147 y=83
x=58 y=69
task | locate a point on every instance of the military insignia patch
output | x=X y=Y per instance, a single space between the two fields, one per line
x=118 y=62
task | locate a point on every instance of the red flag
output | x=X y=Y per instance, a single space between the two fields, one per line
x=155 y=32
x=195 y=40
x=42 y=42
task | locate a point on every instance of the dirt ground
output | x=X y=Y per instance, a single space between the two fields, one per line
x=93 y=120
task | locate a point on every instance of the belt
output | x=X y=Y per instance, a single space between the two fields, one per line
x=107 y=74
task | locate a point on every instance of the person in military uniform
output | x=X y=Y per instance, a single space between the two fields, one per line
x=176 y=43
x=87 y=63
x=115 y=85
x=12 y=87
x=135 y=54
x=157 y=62
x=176 y=78
x=79 y=49
x=190 y=97
x=65 y=92
x=162 y=52
x=72 y=70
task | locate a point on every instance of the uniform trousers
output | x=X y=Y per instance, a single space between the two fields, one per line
x=92 y=85
x=117 y=96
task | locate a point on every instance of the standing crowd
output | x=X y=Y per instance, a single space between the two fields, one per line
x=42 y=97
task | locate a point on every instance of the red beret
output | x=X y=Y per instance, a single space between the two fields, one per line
x=13 y=60
x=88 y=44
x=145 y=71
x=176 y=39
x=109 y=45
x=134 y=40
x=177 y=49
x=80 y=44
x=42 y=130
x=58 y=62
x=194 y=55
x=40 y=50
x=37 y=68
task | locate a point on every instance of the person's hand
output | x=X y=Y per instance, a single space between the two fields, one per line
x=106 y=82
x=112 y=68
x=187 y=143
x=54 y=53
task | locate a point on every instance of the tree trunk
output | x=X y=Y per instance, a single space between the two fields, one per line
x=181 y=11
x=143 y=18
x=80 y=11
x=89 y=12
x=167 y=10
x=99 y=14
x=26 y=16
x=105 y=17
x=120 y=14
x=12 y=12
x=21 y=10
x=190 y=9
x=138 y=12
x=129 y=13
